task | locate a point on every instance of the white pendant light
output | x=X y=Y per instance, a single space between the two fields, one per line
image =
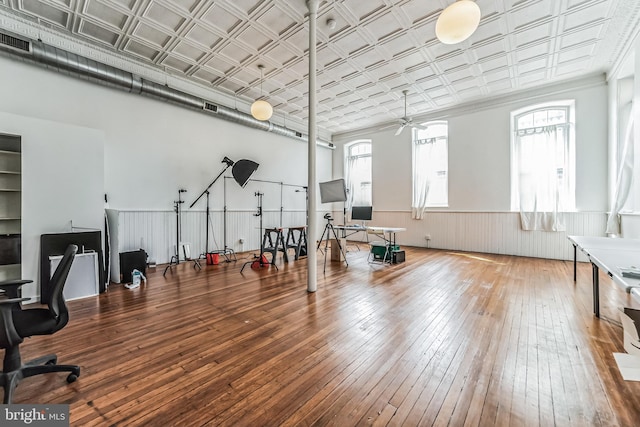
x=261 y=109
x=458 y=21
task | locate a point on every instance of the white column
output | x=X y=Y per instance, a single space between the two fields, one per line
x=312 y=268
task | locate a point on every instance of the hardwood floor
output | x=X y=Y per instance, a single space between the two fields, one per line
x=446 y=338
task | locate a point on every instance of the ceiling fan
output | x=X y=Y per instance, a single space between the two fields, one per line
x=405 y=121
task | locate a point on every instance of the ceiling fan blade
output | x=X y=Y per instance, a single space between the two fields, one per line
x=418 y=126
x=387 y=127
x=400 y=129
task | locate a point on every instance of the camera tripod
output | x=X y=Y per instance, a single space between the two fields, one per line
x=328 y=230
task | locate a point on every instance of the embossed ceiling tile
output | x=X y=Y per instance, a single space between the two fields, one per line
x=499 y=86
x=400 y=45
x=459 y=75
x=496 y=62
x=396 y=83
x=326 y=57
x=299 y=69
x=532 y=78
x=586 y=50
x=590 y=33
x=419 y=72
x=429 y=84
x=276 y=20
x=531 y=13
x=253 y=38
x=419 y=10
x=247 y=6
x=470 y=93
x=594 y=12
x=97 y=32
x=235 y=52
x=108 y=15
x=571 y=67
x=282 y=78
x=279 y=54
x=540 y=32
x=202 y=36
x=206 y=75
x=533 y=51
x=362 y=10
x=534 y=64
x=489 y=49
x=46 y=12
x=189 y=51
x=141 y=50
x=350 y=43
x=230 y=85
x=186 y=5
x=220 y=65
x=176 y=64
x=496 y=75
x=163 y=16
x=444 y=101
x=368 y=58
x=299 y=39
x=221 y=19
x=454 y=62
x=411 y=61
x=127 y=4
x=151 y=35
x=425 y=34
x=384 y=25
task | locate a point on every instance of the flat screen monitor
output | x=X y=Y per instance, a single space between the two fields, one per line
x=361 y=213
x=333 y=191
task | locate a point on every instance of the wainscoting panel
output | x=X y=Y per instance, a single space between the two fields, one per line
x=490 y=232
x=155 y=231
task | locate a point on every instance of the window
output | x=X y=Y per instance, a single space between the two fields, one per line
x=430 y=167
x=358 y=173
x=543 y=161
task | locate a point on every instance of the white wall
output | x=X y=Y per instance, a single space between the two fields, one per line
x=479 y=154
x=62 y=183
x=152 y=149
x=479 y=149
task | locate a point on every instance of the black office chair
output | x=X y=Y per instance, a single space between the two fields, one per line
x=17 y=324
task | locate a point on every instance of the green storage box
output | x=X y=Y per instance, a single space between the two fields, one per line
x=379 y=250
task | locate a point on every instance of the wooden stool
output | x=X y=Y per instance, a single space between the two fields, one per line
x=299 y=244
x=273 y=245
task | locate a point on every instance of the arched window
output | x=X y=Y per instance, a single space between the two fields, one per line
x=543 y=164
x=430 y=167
x=358 y=173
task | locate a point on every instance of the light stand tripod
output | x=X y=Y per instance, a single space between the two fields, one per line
x=327 y=230
x=175 y=259
x=228 y=162
x=261 y=261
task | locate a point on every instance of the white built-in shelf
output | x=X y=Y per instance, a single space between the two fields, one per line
x=15 y=153
x=15 y=190
x=8 y=218
x=11 y=172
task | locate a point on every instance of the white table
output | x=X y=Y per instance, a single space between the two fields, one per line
x=608 y=254
x=83 y=280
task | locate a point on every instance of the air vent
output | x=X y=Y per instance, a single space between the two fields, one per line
x=210 y=107
x=14 y=43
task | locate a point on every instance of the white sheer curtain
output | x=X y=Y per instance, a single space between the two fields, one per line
x=423 y=173
x=625 y=177
x=358 y=181
x=542 y=180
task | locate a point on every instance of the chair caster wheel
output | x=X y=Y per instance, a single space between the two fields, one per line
x=71 y=378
